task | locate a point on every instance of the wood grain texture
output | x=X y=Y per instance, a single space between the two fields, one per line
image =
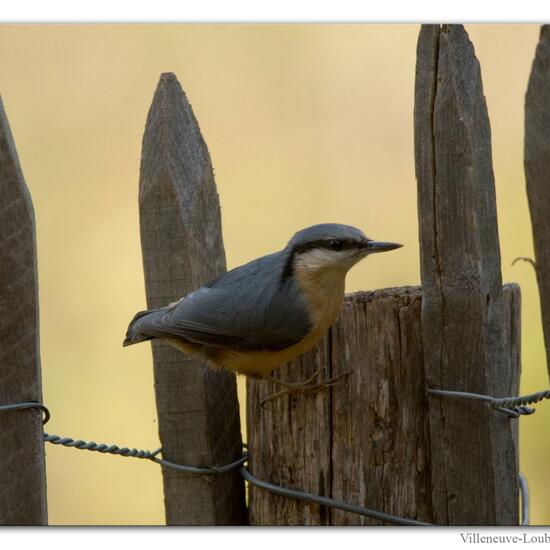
x=365 y=441
x=182 y=248
x=22 y=466
x=537 y=171
x=474 y=472
x=380 y=450
x=290 y=443
x=512 y=335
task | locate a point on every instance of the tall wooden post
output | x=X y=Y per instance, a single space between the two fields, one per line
x=22 y=467
x=537 y=171
x=182 y=247
x=474 y=471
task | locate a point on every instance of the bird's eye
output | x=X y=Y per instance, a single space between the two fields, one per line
x=335 y=245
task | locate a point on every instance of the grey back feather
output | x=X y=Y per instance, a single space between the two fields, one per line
x=251 y=307
x=255 y=306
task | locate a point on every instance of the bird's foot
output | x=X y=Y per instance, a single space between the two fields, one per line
x=307 y=386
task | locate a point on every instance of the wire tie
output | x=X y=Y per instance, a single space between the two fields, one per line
x=511 y=406
x=28 y=405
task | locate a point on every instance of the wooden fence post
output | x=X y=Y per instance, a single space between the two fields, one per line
x=182 y=248
x=22 y=466
x=537 y=170
x=367 y=441
x=474 y=470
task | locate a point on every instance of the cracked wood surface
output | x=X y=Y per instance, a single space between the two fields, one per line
x=364 y=441
x=182 y=247
x=22 y=467
x=537 y=171
x=474 y=469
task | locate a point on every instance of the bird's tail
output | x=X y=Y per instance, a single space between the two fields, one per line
x=133 y=334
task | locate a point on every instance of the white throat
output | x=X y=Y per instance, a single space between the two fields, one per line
x=323 y=284
x=323 y=261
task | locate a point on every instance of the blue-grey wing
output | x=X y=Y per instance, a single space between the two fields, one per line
x=251 y=307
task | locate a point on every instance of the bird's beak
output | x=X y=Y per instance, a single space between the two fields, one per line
x=376 y=246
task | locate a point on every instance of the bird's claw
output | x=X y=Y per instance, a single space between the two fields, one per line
x=308 y=386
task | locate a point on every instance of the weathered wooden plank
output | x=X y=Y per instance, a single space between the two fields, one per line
x=512 y=336
x=474 y=472
x=22 y=466
x=380 y=448
x=182 y=248
x=365 y=442
x=289 y=441
x=537 y=171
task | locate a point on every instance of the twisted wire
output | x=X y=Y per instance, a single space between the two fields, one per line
x=100 y=447
x=521 y=400
x=262 y=484
x=511 y=406
x=80 y=444
x=140 y=453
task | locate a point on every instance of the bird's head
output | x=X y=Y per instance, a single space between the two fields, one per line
x=332 y=247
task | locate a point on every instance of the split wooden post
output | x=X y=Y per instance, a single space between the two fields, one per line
x=537 y=171
x=366 y=441
x=182 y=248
x=474 y=470
x=22 y=465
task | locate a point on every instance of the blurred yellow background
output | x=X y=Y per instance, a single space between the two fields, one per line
x=305 y=124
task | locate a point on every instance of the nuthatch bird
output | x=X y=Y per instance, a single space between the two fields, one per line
x=262 y=314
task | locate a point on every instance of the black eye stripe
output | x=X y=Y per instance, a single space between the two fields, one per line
x=344 y=244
